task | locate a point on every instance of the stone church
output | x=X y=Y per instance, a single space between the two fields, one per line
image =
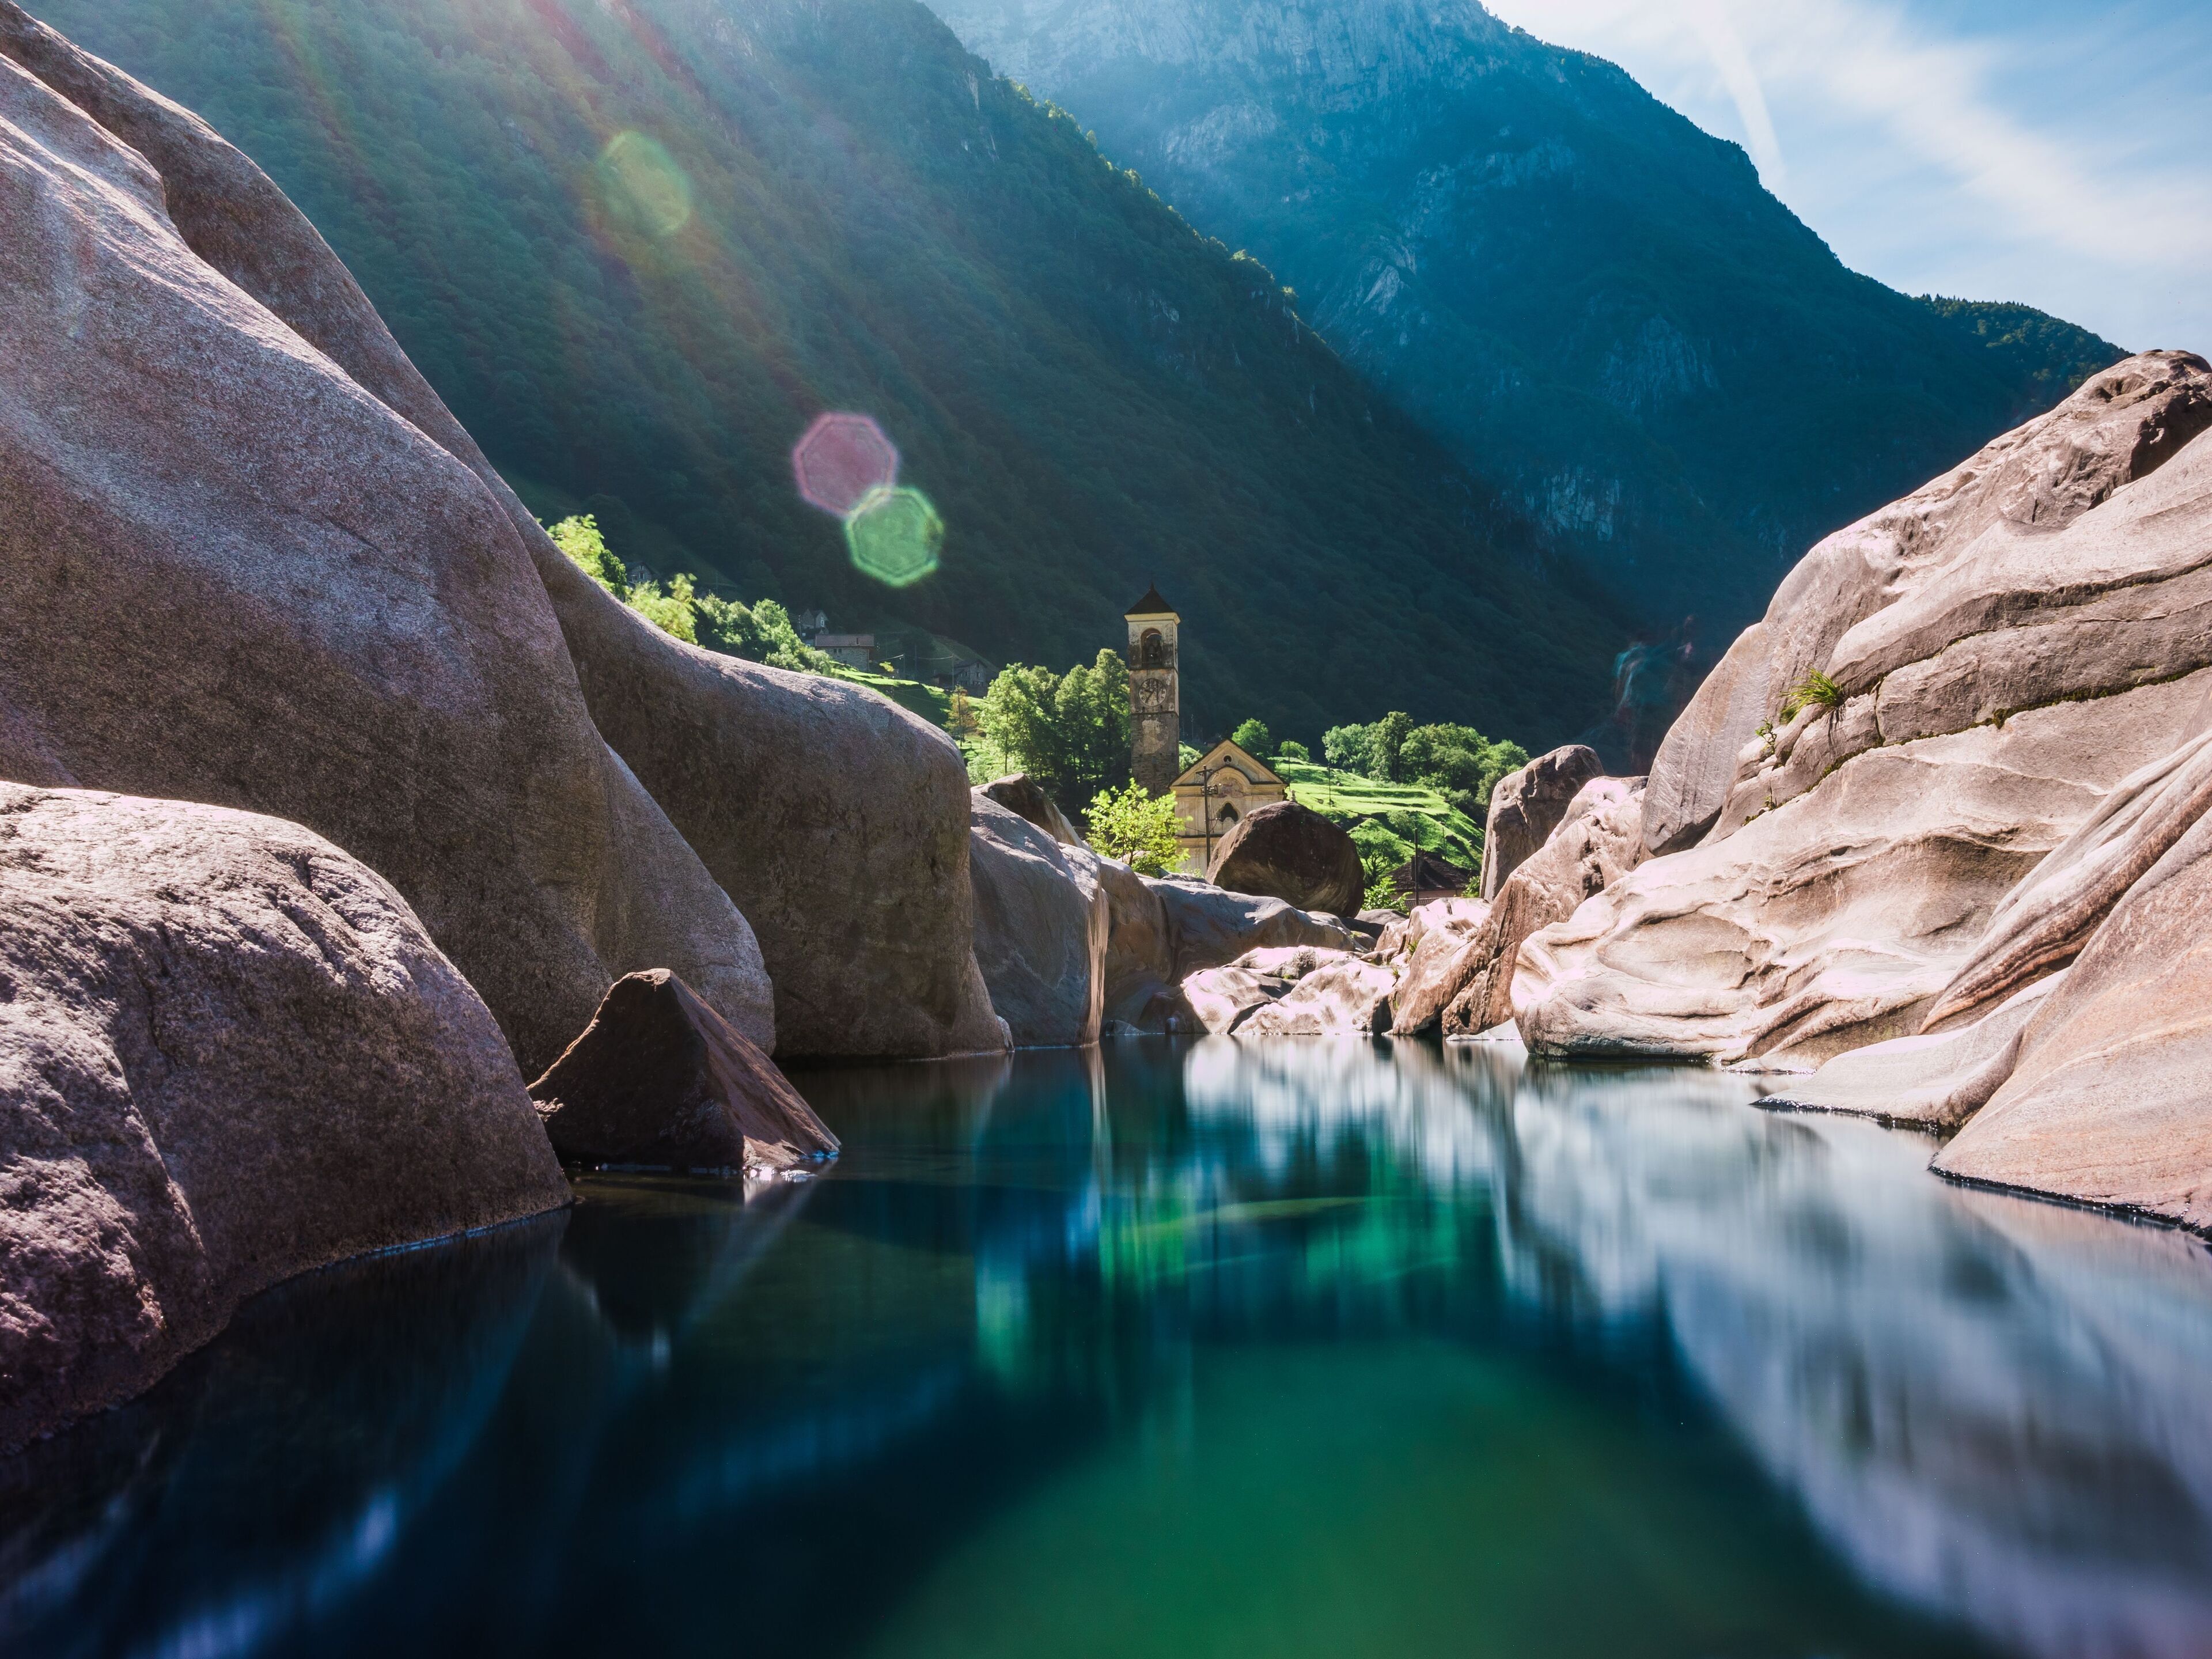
x=1211 y=797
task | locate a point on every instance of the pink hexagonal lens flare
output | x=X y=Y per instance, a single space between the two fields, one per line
x=842 y=460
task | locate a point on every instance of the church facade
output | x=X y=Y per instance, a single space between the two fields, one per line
x=1213 y=797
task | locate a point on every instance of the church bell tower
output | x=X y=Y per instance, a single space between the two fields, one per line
x=1154 y=705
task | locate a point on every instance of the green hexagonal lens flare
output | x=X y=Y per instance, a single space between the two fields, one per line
x=895 y=536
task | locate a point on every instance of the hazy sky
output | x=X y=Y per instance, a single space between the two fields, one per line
x=2058 y=152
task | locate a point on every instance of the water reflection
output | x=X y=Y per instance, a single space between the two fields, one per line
x=1302 y=1346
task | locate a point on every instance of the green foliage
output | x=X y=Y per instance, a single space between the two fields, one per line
x=1253 y=738
x=1816 y=689
x=849 y=212
x=1187 y=756
x=762 y=632
x=1070 y=732
x=1351 y=748
x=671 y=611
x=1424 y=817
x=1292 y=748
x=579 y=537
x=1456 y=761
x=1134 y=827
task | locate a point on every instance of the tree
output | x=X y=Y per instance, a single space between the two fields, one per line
x=960 y=719
x=579 y=537
x=1460 y=764
x=1136 y=828
x=1387 y=743
x=1351 y=748
x=1253 y=738
x=1070 y=732
x=1292 y=750
x=673 y=612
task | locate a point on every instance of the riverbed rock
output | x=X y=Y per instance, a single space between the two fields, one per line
x=2106 y=1101
x=228 y=1053
x=1042 y=921
x=1429 y=975
x=1346 y=998
x=1835 y=920
x=660 y=1081
x=1139 y=963
x=2120 y=427
x=1286 y=851
x=1598 y=841
x=1527 y=805
x=1024 y=797
x=238 y=572
x=1221 y=999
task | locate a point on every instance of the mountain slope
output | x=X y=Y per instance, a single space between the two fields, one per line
x=1579 y=290
x=638 y=245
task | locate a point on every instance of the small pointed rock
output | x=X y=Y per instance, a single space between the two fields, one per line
x=659 y=1079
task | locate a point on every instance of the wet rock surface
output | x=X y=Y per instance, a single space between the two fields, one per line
x=660 y=1081
x=228 y=1053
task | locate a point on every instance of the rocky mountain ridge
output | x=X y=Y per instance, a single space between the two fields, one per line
x=1582 y=293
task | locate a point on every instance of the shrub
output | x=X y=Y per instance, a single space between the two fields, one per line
x=1815 y=690
x=1292 y=750
x=1253 y=738
x=1134 y=827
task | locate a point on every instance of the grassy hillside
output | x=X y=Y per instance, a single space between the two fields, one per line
x=1585 y=295
x=639 y=244
x=1412 y=816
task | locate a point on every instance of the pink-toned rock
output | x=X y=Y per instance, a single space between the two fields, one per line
x=1598 y=842
x=228 y=1053
x=660 y=1080
x=1431 y=974
x=1350 y=997
x=2119 y=428
x=1527 y=805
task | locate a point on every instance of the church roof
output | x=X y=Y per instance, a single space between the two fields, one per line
x=1227 y=752
x=1152 y=604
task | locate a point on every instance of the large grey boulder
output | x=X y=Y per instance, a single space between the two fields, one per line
x=1162 y=931
x=1042 y=919
x=659 y=1079
x=2122 y=425
x=238 y=571
x=1346 y=998
x=228 y=1053
x=1286 y=851
x=1526 y=806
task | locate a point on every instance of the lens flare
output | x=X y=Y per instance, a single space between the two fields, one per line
x=895 y=536
x=841 y=461
x=646 y=189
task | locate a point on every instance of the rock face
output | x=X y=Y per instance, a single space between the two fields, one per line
x=1348 y=998
x=1597 y=842
x=1429 y=975
x=2018 y=638
x=1162 y=932
x=1527 y=805
x=242 y=569
x=1286 y=851
x=2005 y=504
x=228 y=1053
x=659 y=1079
x=1042 y=919
x=1024 y=797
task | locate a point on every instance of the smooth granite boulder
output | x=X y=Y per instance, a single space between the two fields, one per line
x=1222 y=999
x=660 y=1081
x=228 y=1053
x=1597 y=842
x=1837 y=919
x=1208 y=927
x=1286 y=851
x=2109 y=1101
x=1024 y=797
x=1937 y=1080
x=1429 y=974
x=1346 y=998
x=1140 y=962
x=238 y=573
x=1527 y=805
x=2121 y=426
x=1042 y=919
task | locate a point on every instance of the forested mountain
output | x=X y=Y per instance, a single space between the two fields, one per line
x=639 y=244
x=1584 y=294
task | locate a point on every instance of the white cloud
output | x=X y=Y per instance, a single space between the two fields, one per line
x=1990 y=162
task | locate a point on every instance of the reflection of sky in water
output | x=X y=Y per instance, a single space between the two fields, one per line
x=1292 y=1347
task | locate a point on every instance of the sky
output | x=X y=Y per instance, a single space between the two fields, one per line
x=2055 y=152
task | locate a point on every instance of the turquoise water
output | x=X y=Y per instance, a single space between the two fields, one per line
x=1284 y=1349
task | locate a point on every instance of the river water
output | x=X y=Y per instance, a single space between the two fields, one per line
x=1287 y=1348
